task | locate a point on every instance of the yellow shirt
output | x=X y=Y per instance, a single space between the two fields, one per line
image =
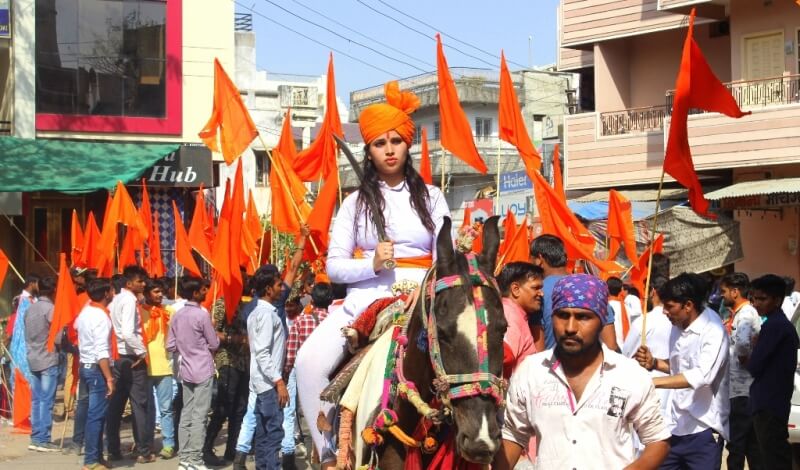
x=159 y=361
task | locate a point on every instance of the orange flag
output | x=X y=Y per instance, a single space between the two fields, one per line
x=425 y=159
x=229 y=119
x=558 y=180
x=287 y=187
x=252 y=219
x=153 y=263
x=183 y=252
x=66 y=306
x=557 y=219
x=639 y=271
x=319 y=159
x=286 y=143
x=467 y=217
x=620 y=226
x=91 y=237
x=319 y=220
x=232 y=291
x=127 y=254
x=221 y=253
x=76 y=238
x=512 y=125
x=21 y=412
x=197 y=236
x=696 y=88
x=122 y=210
x=509 y=229
x=456 y=133
x=3 y=267
x=519 y=248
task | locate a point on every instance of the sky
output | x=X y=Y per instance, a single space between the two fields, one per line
x=387 y=49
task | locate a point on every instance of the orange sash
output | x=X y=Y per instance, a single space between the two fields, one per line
x=423 y=261
x=158 y=322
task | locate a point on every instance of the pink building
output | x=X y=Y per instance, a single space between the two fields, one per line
x=628 y=53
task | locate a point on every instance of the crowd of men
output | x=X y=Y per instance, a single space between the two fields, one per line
x=593 y=380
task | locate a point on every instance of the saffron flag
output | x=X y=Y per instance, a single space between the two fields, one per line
x=122 y=210
x=640 y=270
x=319 y=220
x=286 y=143
x=197 y=235
x=425 y=159
x=288 y=196
x=696 y=88
x=319 y=159
x=153 y=263
x=467 y=217
x=66 y=304
x=512 y=125
x=558 y=179
x=620 y=226
x=76 y=239
x=509 y=229
x=3 y=267
x=518 y=248
x=232 y=291
x=91 y=238
x=21 y=412
x=455 y=130
x=183 y=252
x=221 y=251
x=127 y=254
x=252 y=219
x=230 y=129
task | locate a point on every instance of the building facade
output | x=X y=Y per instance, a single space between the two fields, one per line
x=629 y=53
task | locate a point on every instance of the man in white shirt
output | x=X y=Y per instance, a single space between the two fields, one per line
x=633 y=303
x=582 y=401
x=698 y=364
x=791 y=299
x=94 y=343
x=130 y=371
x=743 y=325
x=267 y=348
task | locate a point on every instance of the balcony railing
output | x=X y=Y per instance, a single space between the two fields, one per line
x=633 y=121
x=763 y=93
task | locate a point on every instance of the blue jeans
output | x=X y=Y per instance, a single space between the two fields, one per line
x=81 y=409
x=287 y=445
x=96 y=415
x=163 y=386
x=245 y=442
x=700 y=451
x=43 y=395
x=269 y=431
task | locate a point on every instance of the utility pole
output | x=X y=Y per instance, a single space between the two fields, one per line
x=530 y=52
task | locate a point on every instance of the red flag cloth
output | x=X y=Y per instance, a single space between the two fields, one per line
x=558 y=179
x=229 y=121
x=197 y=236
x=287 y=187
x=91 y=237
x=319 y=220
x=512 y=125
x=319 y=159
x=509 y=229
x=183 y=251
x=76 y=239
x=455 y=130
x=696 y=88
x=266 y=247
x=467 y=217
x=286 y=144
x=66 y=303
x=620 y=226
x=21 y=413
x=639 y=271
x=425 y=159
x=3 y=267
x=519 y=248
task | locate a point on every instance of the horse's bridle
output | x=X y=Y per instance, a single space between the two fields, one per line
x=454 y=386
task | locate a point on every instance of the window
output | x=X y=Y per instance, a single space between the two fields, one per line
x=262 y=168
x=98 y=61
x=763 y=56
x=483 y=129
x=436 y=135
x=417 y=136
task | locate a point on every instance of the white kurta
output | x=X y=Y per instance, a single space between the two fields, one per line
x=325 y=348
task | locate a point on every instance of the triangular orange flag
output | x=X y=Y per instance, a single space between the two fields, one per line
x=252 y=219
x=512 y=125
x=197 y=236
x=232 y=291
x=319 y=220
x=229 y=121
x=620 y=227
x=122 y=210
x=509 y=229
x=425 y=159
x=3 y=267
x=66 y=306
x=286 y=144
x=558 y=179
x=220 y=256
x=183 y=251
x=287 y=187
x=455 y=130
x=639 y=271
x=518 y=249
x=319 y=159
x=21 y=412
x=91 y=238
x=127 y=254
x=153 y=263
x=467 y=217
x=696 y=88
x=76 y=239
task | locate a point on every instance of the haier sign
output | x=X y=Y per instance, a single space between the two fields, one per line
x=515 y=181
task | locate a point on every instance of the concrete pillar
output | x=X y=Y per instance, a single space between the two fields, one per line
x=23 y=14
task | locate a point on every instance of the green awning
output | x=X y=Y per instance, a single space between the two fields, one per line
x=69 y=166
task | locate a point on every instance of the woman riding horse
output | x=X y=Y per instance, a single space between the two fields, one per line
x=392 y=197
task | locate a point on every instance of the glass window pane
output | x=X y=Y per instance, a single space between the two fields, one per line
x=56 y=56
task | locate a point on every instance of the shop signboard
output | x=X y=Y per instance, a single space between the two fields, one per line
x=760 y=201
x=481 y=209
x=5 y=18
x=515 y=181
x=187 y=167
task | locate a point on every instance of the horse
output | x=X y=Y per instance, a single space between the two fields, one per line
x=456 y=323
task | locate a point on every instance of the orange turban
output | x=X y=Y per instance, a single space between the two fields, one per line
x=378 y=119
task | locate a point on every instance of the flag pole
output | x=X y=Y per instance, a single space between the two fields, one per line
x=29 y=242
x=497 y=196
x=19 y=276
x=338 y=180
x=650 y=256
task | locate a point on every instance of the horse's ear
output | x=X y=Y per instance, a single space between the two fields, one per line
x=445 y=256
x=491 y=243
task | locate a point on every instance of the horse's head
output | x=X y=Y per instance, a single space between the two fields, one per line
x=470 y=325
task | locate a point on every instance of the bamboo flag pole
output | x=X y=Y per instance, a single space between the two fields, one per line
x=650 y=258
x=19 y=276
